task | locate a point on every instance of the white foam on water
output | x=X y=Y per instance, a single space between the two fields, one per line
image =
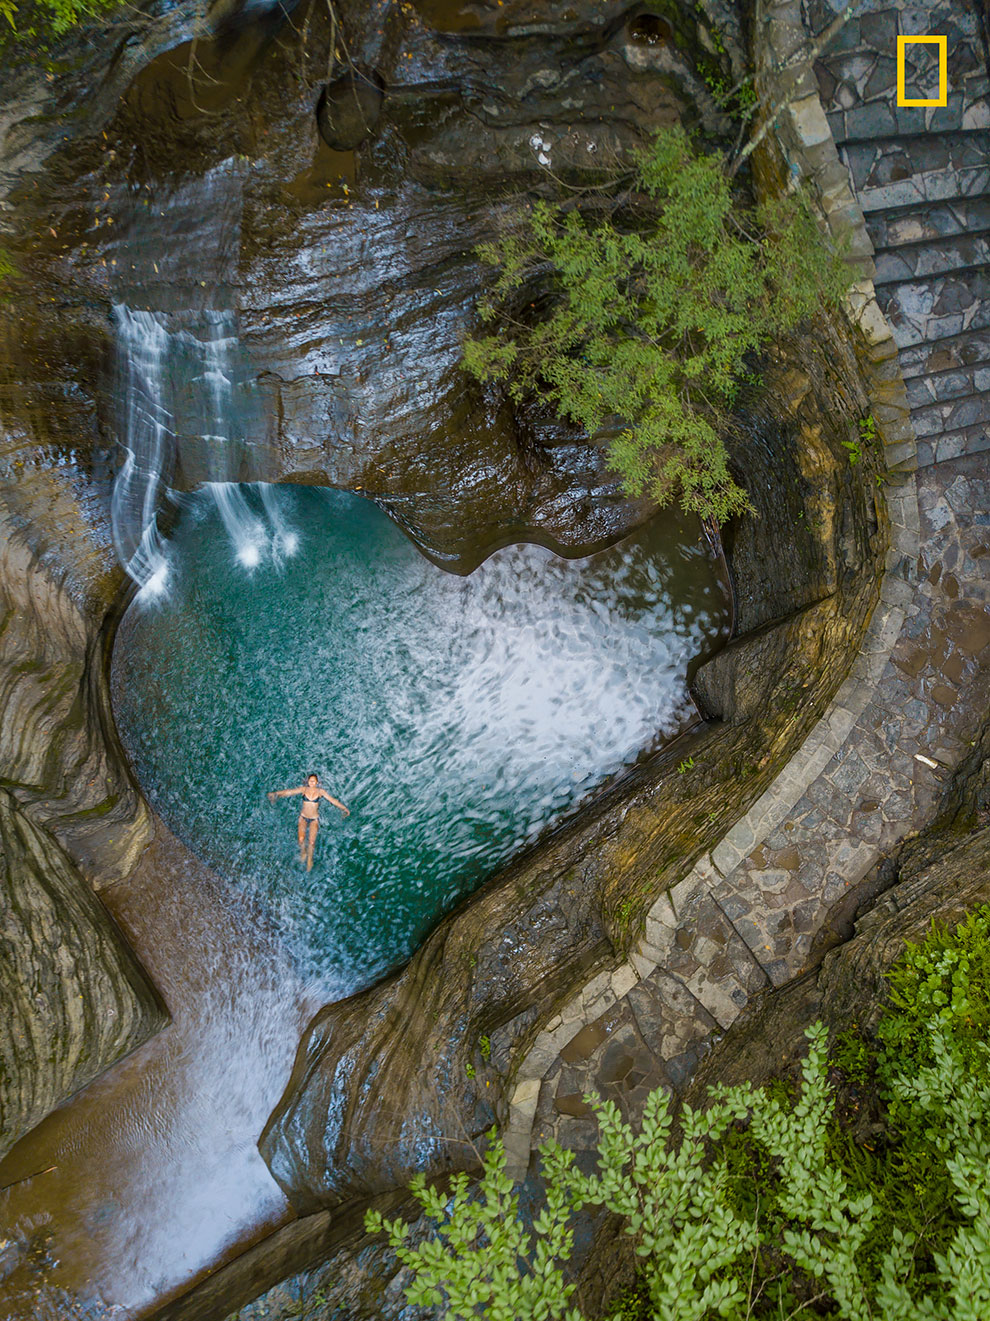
x=165 y=372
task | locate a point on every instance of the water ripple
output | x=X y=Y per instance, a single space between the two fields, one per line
x=456 y=717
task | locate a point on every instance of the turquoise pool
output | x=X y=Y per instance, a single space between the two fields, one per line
x=457 y=717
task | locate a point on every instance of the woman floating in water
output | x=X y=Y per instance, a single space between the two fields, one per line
x=312 y=793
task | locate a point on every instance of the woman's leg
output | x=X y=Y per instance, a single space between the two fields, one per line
x=302 y=838
x=313 y=828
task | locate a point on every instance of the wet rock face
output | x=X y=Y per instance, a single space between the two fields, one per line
x=349 y=108
x=496 y=967
x=352 y=263
x=58 y=749
x=75 y=1001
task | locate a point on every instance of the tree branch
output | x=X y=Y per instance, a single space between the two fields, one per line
x=792 y=72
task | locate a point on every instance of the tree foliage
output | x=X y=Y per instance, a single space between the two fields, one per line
x=943 y=980
x=41 y=20
x=798 y=1249
x=646 y=319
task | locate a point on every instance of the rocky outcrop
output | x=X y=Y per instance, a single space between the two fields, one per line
x=58 y=749
x=355 y=280
x=75 y=999
x=498 y=966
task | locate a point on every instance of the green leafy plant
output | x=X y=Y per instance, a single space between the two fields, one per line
x=640 y=323
x=762 y=1205
x=40 y=21
x=944 y=982
x=8 y=275
x=867 y=435
x=867 y=429
x=851 y=1054
x=485 y=1047
x=686 y=765
x=474 y=1262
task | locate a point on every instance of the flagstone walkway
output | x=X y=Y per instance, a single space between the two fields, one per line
x=747 y=916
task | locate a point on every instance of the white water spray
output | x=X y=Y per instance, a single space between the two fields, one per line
x=148 y=439
x=249 y=537
x=285 y=540
x=164 y=373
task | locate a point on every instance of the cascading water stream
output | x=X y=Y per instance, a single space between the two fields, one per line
x=184 y=397
x=148 y=440
x=219 y=385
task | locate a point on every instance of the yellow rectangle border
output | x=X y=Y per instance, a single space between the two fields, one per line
x=943 y=69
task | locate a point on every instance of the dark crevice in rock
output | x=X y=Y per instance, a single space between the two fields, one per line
x=349 y=108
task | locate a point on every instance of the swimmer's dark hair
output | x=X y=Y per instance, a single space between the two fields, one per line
x=313 y=776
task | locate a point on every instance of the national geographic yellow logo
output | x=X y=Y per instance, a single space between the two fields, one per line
x=943 y=69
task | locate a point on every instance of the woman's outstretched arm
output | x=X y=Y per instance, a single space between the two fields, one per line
x=284 y=793
x=337 y=803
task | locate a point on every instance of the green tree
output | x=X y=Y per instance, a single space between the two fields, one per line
x=644 y=320
x=701 y=1255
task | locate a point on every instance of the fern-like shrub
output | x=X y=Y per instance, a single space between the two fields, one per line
x=702 y=1253
x=942 y=981
x=647 y=319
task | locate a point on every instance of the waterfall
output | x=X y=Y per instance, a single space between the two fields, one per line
x=183 y=397
x=224 y=395
x=285 y=541
x=147 y=439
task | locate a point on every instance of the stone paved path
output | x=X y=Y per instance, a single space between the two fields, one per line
x=747 y=916
x=922 y=178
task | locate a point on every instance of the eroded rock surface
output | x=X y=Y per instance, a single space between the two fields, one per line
x=75 y=999
x=496 y=968
x=355 y=281
x=58 y=749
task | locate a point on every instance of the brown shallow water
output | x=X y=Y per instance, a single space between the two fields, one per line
x=157 y=1178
